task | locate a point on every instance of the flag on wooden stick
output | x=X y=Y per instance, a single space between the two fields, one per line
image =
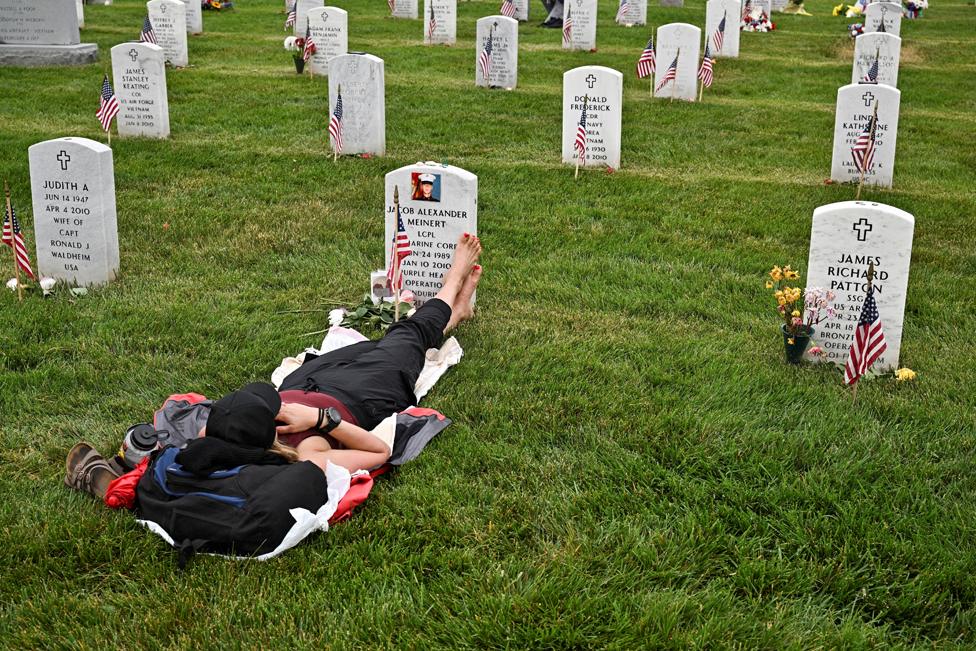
x=669 y=75
x=399 y=249
x=705 y=73
x=13 y=238
x=508 y=8
x=646 y=64
x=148 y=34
x=292 y=15
x=863 y=150
x=108 y=105
x=484 y=58
x=869 y=340
x=335 y=124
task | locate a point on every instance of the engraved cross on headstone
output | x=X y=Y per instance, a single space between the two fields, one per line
x=863 y=227
x=133 y=55
x=590 y=81
x=868 y=98
x=63 y=158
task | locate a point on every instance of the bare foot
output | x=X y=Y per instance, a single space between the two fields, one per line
x=463 y=308
x=466 y=254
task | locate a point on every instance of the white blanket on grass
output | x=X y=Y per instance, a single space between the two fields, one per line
x=437 y=363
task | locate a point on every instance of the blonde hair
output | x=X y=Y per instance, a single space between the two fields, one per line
x=286 y=451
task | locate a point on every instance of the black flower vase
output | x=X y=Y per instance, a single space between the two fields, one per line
x=795 y=350
x=299 y=65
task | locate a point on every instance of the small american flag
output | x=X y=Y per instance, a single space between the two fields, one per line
x=872 y=75
x=622 y=10
x=669 y=75
x=335 y=124
x=568 y=27
x=646 y=64
x=148 y=34
x=309 y=48
x=484 y=58
x=863 y=150
x=108 y=106
x=869 y=340
x=431 y=23
x=705 y=72
x=292 y=15
x=720 y=34
x=13 y=238
x=399 y=249
x=508 y=8
x=580 y=144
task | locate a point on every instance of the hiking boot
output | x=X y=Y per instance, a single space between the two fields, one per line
x=87 y=471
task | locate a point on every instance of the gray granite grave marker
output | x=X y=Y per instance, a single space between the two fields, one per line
x=42 y=34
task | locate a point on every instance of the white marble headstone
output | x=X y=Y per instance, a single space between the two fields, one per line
x=503 y=67
x=73 y=193
x=846 y=238
x=442 y=15
x=603 y=90
x=329 y=27
x=884 y=47
x=139 y=72
x=168 y=18
x=194 y=17
x=715 y=12
x=405 y=9
x=438 y=203
x=778 y=5
x=301 y=14
x=888 y=13
x=361 y=80
x=631 y=12
x=681 y=40
x=855 y=104
x=582 y=16
x=521 y=10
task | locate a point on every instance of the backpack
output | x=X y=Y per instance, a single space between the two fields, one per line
x=240 y=511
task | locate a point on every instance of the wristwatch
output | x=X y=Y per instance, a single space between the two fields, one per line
x=329 y=419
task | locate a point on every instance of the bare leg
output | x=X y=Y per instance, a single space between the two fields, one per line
x=462 y=309
x=466 y=255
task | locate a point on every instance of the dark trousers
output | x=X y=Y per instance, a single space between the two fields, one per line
x=374 y=379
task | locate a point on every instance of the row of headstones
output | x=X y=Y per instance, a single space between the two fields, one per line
x=73 y=192
x=881 y=42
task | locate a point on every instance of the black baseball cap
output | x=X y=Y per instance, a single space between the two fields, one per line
x=246 y=416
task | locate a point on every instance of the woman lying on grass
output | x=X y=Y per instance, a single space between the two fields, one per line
x=324 y=410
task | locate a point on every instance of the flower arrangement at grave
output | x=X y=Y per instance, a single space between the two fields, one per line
x=855 y=30
x=796 y=8
x=757 y=21
x=216 y=5
x=913 y=8
x=799 y=309
x=296 y=44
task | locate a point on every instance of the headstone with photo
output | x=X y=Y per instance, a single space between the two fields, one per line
x=766 y=6
x=501 y=60
x=631 y=12
x=360 y=79
x=329 y=28
x=677 y=42
x=73 y=193
x=42 y=34
x=438 y=204
x=602 y=88
x=168 y=18
x=139 y=72
x=855 y=107
x=440 y=22
x=302 y=7
x=579 y=24
x=880 y=46
x=194 y=17
x=405 y=9
x=883 y=13
x=722 y=27
x=846 y=238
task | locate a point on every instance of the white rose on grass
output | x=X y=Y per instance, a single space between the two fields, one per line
x=47 y=285
x=336 y=316
x=290 y=42
x=12 y=284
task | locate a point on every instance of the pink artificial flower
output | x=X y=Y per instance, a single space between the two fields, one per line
x=817 y=351
x=406 y=296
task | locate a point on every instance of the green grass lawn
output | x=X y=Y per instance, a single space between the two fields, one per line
x=631 y=465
